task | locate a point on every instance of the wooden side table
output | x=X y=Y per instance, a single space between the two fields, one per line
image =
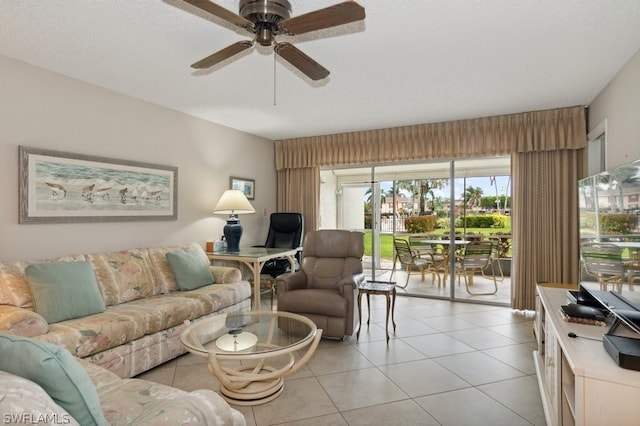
x=388 y=289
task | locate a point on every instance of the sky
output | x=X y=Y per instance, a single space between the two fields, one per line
x=488 y=189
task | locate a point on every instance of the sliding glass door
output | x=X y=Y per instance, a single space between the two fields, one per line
x=446 y=200
x=482 y=222
x=349 y=200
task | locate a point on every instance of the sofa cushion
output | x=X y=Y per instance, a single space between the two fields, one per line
x=96 y=333
x=22 y=397
x=64 y=290
x=190 y=269
x=218 y=296
x=57 y=372
x=165 y=311
x=14 y=287
x=124 y=275
x=162 y=270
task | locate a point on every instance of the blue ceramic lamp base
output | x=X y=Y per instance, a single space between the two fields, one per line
x=232 y=233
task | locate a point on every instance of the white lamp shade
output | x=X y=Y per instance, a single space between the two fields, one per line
x=233 y=201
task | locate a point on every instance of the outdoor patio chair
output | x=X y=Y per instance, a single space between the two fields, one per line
x=409 y=259
x=495 y=258
x=604 y=262
x=476 y=257
x=432 y=253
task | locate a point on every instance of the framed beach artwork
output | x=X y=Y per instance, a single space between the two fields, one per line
x=248 y=186
x=61 y=187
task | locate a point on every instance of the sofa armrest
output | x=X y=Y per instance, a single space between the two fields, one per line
x=226 y=274
x=134 y=401
x=23 y=322
x=24 y=400
x=291 y=281
x=211 y=408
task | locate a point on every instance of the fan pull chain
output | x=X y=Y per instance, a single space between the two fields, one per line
x=274 y=79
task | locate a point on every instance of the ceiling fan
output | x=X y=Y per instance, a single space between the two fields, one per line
x=266 y=19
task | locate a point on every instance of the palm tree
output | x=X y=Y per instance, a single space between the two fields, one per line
x=472 y=196
x=408 y=186
x=494 y=181
x=506 y=191
x=421 y=189
x=368 y=207
x=426 y=188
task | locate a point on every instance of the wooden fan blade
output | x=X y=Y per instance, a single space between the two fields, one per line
x=332 y=16
x=301 y=61
x=222 y=13
x=223 y=54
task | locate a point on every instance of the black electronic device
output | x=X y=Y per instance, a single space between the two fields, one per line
x=625 y=308
x=622 y=341
x=576 y=310
x=624 y=350
x=583 y=297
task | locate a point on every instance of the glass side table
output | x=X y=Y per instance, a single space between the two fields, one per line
x=386 y=288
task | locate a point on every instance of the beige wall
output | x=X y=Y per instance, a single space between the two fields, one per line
x=619 y=103
x=42 y=109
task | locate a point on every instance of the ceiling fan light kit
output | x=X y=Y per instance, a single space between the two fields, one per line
x=266 y=19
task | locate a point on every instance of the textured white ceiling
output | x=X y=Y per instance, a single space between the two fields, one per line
x=410 y=62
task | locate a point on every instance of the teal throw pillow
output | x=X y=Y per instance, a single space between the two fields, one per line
x=64 y=290
x=57 y=372
x=190 y=269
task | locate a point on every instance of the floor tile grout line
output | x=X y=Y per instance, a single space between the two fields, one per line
x=354 y=345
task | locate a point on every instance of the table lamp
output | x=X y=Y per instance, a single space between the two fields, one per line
x=233 y=202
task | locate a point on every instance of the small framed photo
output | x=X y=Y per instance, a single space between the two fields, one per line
x=248 y=186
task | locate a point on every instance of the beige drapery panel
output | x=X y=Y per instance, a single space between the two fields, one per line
x=302 y=189
x=545 y=228
x=556 y=132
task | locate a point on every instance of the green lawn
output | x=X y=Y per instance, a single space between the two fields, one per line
x=386 y=245
x=386 y=240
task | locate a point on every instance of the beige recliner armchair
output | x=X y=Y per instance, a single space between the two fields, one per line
x=325 y=288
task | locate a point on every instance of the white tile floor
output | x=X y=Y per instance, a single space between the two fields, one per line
x=448 y=364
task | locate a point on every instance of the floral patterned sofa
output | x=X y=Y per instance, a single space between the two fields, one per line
x=120 y=402
x=144 y=313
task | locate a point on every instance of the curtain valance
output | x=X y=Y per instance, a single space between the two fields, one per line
x=549 y=130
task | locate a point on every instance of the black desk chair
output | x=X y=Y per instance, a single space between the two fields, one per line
x=285 y=231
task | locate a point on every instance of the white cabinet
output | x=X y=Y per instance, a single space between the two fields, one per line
x=579 y=383
x=547 y=361
x=551 y=367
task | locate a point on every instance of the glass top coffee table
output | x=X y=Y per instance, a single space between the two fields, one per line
x=250 y=353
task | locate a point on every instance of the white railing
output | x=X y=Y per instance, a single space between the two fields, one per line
x=386 y=225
